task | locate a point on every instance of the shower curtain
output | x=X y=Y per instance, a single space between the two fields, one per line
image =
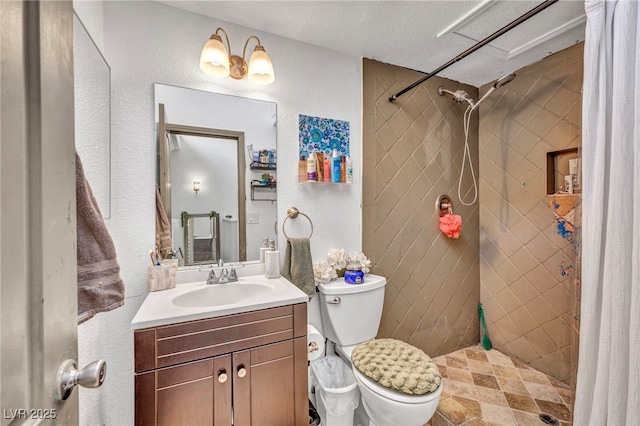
x=608 y=386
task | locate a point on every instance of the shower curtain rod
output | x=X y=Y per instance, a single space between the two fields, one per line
x=489 y=39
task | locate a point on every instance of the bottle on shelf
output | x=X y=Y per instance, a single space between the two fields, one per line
x=319 y=166
x=302 y=169
x=311 y=168
x=327 y=169
x=335 y=167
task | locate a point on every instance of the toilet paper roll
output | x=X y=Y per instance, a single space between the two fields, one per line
x=315 y=343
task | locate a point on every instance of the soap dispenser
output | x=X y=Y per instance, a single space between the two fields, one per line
x=272 y=261
x=264 y=248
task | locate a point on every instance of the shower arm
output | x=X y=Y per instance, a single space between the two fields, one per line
x=489 y=39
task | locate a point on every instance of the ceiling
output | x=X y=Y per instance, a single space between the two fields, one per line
x=420 y=35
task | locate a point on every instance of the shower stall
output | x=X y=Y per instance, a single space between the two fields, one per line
x=511 y=255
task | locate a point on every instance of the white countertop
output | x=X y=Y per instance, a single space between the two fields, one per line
x=159 y=307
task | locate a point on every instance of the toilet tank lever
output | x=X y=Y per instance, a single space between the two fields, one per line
x=335 y=301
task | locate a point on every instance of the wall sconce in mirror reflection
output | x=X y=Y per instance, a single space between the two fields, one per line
x=216 y=60
x=196 y=186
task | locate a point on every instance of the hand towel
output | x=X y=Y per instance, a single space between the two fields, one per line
x=450 y=225
x=298 y=266
x=163 y=227
x=100 y=287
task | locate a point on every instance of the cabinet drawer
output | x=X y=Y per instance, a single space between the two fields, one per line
x=179 y=343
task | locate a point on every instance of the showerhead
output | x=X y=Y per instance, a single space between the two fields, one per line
x=502 y=81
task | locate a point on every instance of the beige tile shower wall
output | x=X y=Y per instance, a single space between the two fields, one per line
x=412 y=152
x=525 y=266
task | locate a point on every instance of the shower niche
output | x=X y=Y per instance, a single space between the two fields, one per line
x=564 y=174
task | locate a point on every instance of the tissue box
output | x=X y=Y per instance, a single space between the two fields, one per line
x=162 y=277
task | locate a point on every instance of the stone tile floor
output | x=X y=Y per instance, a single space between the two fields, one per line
x=489 y=388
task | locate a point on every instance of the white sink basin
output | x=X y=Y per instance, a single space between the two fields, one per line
x=221 y=294
x=193 y=300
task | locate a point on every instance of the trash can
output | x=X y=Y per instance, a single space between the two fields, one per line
x=337 y=394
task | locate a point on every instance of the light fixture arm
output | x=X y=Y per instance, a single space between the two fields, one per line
x=244 y=50
x=226 y=37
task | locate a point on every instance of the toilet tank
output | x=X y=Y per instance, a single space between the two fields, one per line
x=351 y=313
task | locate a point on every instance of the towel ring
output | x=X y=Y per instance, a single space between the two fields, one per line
x=293 y=213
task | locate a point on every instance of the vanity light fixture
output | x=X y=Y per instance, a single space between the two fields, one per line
x=217 y=61
x=196 y=186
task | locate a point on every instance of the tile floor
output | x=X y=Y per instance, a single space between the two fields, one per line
x=489 y=388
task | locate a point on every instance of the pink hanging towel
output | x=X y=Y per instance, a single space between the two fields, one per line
x=450 y=225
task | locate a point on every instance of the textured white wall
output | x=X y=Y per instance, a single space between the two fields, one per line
x=148 y=43
x=91 y=13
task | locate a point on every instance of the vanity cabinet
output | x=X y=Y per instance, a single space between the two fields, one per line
x=242 y=369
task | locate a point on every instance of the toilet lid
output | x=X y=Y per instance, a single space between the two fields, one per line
x=397 y=365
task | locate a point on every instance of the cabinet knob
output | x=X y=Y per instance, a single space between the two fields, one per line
x=242 y=371
x=222 y=376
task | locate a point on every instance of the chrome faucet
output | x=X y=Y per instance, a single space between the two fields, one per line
x=227 y=275
x=212 y=278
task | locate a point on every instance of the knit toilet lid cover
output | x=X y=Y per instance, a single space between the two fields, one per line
x=397 y=365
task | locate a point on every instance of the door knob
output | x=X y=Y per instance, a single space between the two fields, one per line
x=242 y=371
x=91 y=376
x=222 y=376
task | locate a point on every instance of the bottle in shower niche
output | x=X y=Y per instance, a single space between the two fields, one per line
x=272 y=261
x=264 y=248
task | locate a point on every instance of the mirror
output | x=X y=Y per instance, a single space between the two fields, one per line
x=92 y=104
x=216 y=173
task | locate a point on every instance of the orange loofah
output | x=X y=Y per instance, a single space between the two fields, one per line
x=450 y=225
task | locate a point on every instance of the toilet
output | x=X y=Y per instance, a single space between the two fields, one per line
x=351 y=315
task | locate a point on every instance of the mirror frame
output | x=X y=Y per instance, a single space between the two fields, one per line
x=164 y=167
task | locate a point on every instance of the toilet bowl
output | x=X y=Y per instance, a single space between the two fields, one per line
x=387 y=407
x=351 y=315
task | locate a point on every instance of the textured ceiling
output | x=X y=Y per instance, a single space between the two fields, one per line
x=420 y=35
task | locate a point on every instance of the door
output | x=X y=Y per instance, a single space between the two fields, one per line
x=195 y=393
x=38 y=290
x=270 y=386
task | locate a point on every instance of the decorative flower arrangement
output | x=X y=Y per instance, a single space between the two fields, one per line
x=338 y=261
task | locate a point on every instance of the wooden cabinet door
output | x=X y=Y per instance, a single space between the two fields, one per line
x=270 y=385
x=190 y=394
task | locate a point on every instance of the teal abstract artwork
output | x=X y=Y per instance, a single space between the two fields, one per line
x=317 y=134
